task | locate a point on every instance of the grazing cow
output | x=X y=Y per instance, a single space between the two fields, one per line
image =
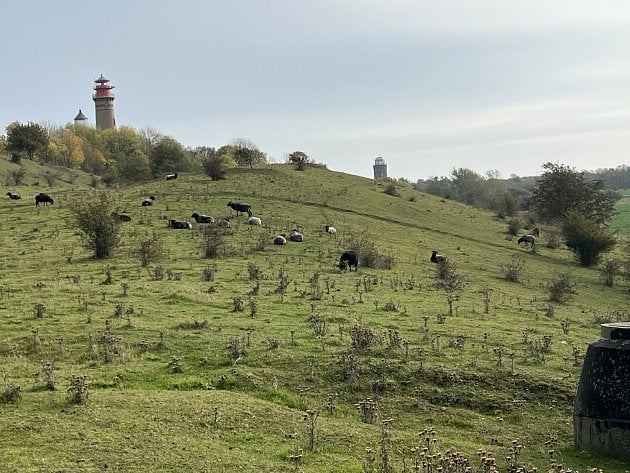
x=528 y=240
x=349 y=259
x=296 y=236
x=279 y=240
x=179 y=224
x=121 y=216
x=42 y=198
x=148 y=201
x=170 y=177
x=225 y=223
x=240 y=208
x=13 y=196
x=330 y=230
x=254 y=220
x=535 y=232
x=436 y=258
x=202 y=218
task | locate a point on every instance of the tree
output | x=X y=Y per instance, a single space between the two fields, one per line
x=100 y=231
x=168 y=156
x=587 y=240
x=468 y=186
x=246 y=153
x=213 y=167
x=300 y=159
x=560 y=190
x=27 y=138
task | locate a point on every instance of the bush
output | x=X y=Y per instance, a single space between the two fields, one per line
x=560 y=288
x=514 y=226
x=150 y=250
x=588 y=241
x=12 y=392
x=610 y=269
x=391 y=189
x=214 y=168
x=93 y=217
x=512 y=269
x=212 y=240
x=369 y=255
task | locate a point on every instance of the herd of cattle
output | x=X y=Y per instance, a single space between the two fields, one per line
x=347 y=260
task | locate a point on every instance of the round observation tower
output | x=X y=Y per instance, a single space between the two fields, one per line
x=104 y=103
x=380 y=168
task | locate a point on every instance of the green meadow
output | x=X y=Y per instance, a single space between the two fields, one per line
x=270 y=358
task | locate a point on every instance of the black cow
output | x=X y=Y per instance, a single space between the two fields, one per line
x=349 y=259
x=180 y=224
x=42 y=198
x=13 y=196
x=240 y=208
x=148 y=201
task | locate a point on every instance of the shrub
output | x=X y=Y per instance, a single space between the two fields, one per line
x=514 y=225
x=610 y=269
x=587 y=240
x=93 y=217
x=214 y=168
x=18 y=175
x=211 y=240
x=512 y=269
x=78 y=390
x=391 y=189
x=150 y=250
x=369 y=255
x=560 y=288
x=12 y=392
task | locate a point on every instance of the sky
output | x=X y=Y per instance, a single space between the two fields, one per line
x=430 y=85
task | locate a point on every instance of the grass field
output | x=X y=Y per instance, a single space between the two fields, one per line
x=178 y=380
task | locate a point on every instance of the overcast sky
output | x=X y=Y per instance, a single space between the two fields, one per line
x=434 y=85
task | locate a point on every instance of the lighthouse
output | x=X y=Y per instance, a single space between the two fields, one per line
x=104 y=103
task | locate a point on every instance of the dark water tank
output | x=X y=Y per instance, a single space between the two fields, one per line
x=601 y=414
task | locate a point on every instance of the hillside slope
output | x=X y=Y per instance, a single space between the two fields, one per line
x=201 y=364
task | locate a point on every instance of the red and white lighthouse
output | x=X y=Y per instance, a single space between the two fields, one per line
x=104 y=103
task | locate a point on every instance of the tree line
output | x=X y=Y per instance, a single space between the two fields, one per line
x=126 y=155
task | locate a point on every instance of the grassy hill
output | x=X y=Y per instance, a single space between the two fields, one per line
x=181 y=381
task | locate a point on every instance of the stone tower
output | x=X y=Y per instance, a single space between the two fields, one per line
x=104 y=103
x=380 y=168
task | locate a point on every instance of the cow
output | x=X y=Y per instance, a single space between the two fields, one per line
x=148 y=201
x=13 y=196
x=170 y=177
